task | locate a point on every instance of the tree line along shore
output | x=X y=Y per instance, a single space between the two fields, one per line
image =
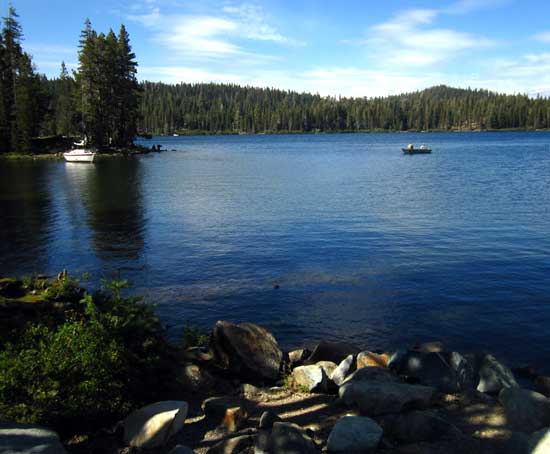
x=103 y=102
x=92 y=371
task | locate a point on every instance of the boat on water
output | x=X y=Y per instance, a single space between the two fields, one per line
x=412 y=150
x=79 y=153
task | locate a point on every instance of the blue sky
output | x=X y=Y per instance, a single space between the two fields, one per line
x=352 y=48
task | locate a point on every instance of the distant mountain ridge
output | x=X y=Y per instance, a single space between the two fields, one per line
x=226 y=108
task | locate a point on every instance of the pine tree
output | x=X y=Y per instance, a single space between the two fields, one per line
x=64 y=106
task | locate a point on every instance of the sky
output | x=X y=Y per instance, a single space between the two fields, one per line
x=337 y=48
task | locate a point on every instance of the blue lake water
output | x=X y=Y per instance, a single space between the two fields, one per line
x=366 y=245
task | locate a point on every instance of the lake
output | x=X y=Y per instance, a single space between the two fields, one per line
x=336 y=236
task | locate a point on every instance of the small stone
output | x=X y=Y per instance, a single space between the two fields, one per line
x=234 y=418
x=493 y=376
x=370 y=359
x=153 y=425
x=215 y=408
x=430 y=347
x=354 y=434
x=526 y=411
x=197 y=379
x=297 y=357
x=327 y=366
x=311 y=378
x=288 y=438
x=267 y=420
x=345 y=368
x=249 y=390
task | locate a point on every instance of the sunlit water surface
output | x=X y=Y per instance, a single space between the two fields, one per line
x=365 y=244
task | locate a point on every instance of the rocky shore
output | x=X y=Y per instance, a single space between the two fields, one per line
x=241 y=394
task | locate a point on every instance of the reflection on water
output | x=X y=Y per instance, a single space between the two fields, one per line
x=326 y=236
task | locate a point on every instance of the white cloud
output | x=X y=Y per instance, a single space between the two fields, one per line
x=410 y=39
x=543 y=37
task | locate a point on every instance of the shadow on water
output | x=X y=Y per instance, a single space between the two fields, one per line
x=25 y=207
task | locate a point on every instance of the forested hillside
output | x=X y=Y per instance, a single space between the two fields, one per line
x=229 y=108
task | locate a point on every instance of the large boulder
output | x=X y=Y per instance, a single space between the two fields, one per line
x=493 y=376
x=28 y=439
x=416 y=426
x=331 y=351
x=449 y=372
x=526 y=411
x=345 y=368
x=374 y=398
x=354 y=434
x=311 y=378
x=246 y=350
x=153 y=425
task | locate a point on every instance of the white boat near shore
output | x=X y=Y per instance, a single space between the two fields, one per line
x=79 y=155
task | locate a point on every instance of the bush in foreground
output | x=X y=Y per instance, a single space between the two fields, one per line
x=101 y=356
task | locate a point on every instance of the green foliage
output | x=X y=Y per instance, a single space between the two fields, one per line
x=100 y=358
x=65 y=289
x=194 y=337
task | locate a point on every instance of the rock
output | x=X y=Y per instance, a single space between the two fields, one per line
x=311 y=378
x=331 y=351
x=246 y=350
x=372 y=373
x=28 y=439
x=297 y=357
x=197 y=355
x=196 y=379
x=215 y=408
x=374 y=398
x=180 y=449
x=327 y=366
x=153 y=425
x=369 y=359
x=493 y=376
x=345 y=368
x=416 y=426
x=249 y=390
x=354 y=434
x=526 y=411
x=288 y=438
x=430 y=347
x=542 y=385
x=267 y=420
x=448 y=372
x=234 y=418
x=539 y=442
x=233 y=445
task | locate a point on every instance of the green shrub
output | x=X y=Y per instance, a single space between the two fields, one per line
x=194 y=337
x=104 y=356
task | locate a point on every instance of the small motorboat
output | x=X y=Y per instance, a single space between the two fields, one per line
x=79 y=154
x=412 y=150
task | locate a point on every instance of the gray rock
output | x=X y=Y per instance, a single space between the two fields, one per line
x=196 y=379
x=539 y=442
x=232 y=445
x=416 y=426
x=153 y=425
x=373 y=397
x=345 y=368
x=287 y=438
x=526 y=411
x=313 y=378
x=331 y=351
x=246 y=350
x=372 y=373
x=267 y=420
x=180 y=449
x=215 y=408
x=448 y=372
x=28 y=439
x=354 y=434
x=328 y=366
x=297 y=357
x=493 y=376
